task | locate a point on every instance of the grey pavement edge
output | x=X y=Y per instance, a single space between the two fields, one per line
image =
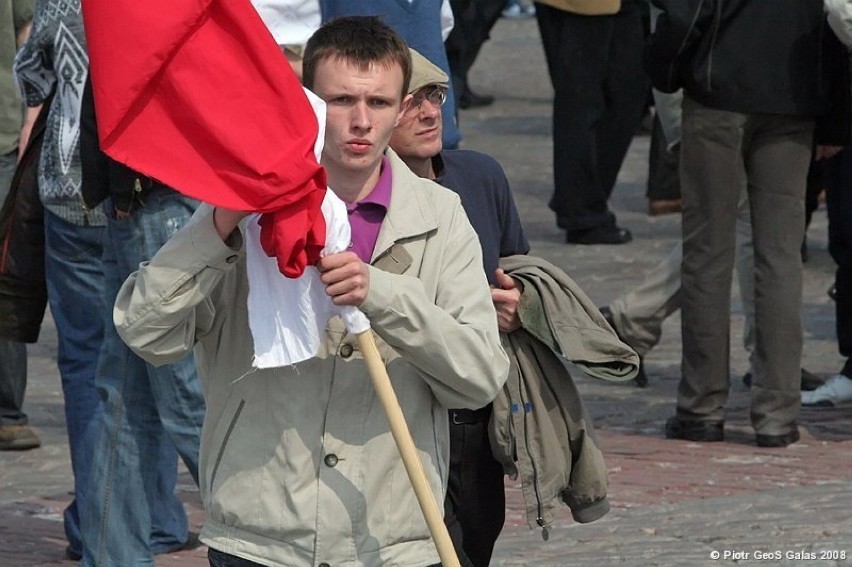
x=674 y=503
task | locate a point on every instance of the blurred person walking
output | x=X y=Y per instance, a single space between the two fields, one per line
x=54 y=59
x=15 y=22
x=755 y=77
x=151 y=415
x=593 y=50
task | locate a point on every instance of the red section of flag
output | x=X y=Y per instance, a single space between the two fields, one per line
x=196 y=94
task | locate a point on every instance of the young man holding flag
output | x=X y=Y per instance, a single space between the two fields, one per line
x=298 y=465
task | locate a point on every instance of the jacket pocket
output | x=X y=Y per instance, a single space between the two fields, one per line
x=222 y=445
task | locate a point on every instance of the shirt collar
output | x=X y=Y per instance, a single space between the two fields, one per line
x=381 y=193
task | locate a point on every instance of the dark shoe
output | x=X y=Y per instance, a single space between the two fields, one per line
x=192 y=542
x=470 y=99
x=609 y=234
x=810 y=381
x=778 y=440
x=18 y=438
x=641 y=379
x=701 y=431
x=72 y=555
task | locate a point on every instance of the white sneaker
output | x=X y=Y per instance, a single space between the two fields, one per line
x=835 y=393
x=513 y=11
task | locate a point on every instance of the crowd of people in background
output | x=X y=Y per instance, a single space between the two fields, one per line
x=751 y=107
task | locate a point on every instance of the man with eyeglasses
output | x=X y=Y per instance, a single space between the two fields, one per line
x=475 y=505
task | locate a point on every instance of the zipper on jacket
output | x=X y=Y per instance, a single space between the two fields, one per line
x=717 y=23
x=545 y=531
x=674 y=66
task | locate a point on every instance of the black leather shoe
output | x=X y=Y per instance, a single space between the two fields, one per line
x=778 y=440
x=702 y=431
x=609 y=234
x=470 y=99
x=641 y=379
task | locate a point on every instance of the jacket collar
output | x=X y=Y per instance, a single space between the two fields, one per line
x=410 y=213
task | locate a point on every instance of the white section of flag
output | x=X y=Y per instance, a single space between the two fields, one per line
x=288 y=317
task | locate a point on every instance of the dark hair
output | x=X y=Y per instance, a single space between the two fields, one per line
x=362 y=40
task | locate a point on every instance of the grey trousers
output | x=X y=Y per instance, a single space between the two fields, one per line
x=721 y=151
x=13 y=355
x=639 y=314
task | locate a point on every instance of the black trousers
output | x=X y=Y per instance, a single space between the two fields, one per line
x=600 y=91
x=838 y=183
x=473 y=22
x=475 y=508
x=218 y=558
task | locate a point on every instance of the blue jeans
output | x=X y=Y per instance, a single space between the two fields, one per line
x=151 y=415
x=13 y=355
x=75 y=280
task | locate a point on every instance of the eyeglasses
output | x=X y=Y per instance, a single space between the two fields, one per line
x=437 y=96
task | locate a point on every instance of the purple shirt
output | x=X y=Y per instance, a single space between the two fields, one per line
x=366 y=216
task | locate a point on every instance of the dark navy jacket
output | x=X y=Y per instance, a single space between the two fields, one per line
x=485 y=195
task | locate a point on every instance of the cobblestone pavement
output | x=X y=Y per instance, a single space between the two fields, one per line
x=674 y=503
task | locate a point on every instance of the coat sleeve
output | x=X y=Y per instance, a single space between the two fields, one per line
x=452 y=339
x=679 y=27
x=166 y=306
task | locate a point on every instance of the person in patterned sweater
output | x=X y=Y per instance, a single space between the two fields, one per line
x=54 y=59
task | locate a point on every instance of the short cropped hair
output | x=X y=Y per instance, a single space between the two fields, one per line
x=361 y=40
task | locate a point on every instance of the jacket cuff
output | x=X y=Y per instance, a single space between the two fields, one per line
x=586 y=513
x=209 y=247
x=381 y=288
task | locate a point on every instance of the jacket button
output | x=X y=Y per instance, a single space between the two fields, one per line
x=346 y=351
x=331 y=460
x=231 y=259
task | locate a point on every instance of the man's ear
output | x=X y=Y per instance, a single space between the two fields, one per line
x=403 y=108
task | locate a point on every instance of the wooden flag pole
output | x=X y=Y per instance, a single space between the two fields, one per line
x=405 y=444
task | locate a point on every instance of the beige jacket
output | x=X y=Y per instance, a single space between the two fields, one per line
x=298 y=466
x=540 y=430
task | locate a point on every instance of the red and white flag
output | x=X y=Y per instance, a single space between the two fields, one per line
x=205 y=102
